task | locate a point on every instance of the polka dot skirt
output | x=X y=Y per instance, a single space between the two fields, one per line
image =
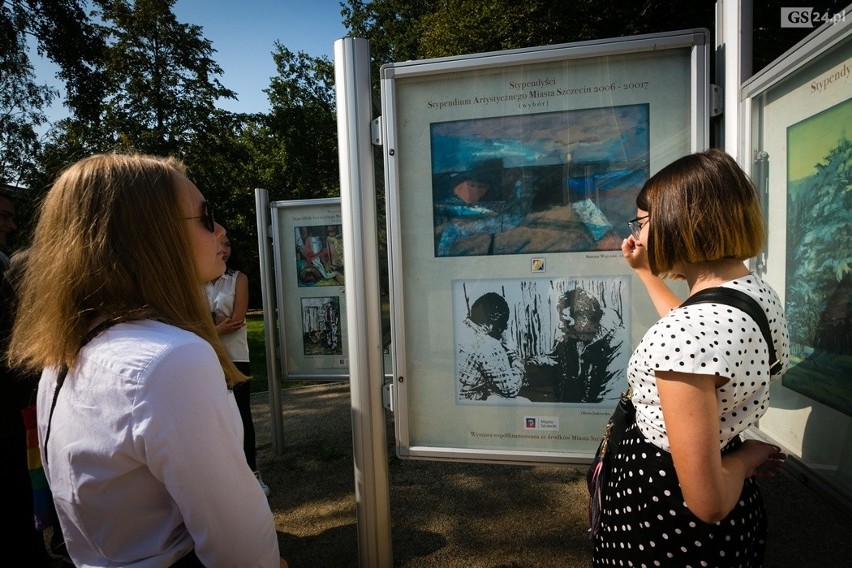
x=646 y=523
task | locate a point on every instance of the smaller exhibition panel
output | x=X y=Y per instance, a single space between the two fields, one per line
x=510 y=180
x=309 y=280
x=799 y=138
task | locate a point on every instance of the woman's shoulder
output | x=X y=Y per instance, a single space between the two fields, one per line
x=680 y=323
x=754 y=285
x=762 y=293
x=228 y=276
x=137 y=346
x=151 y=330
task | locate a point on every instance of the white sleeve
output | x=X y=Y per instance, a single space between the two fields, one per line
x=184 y=422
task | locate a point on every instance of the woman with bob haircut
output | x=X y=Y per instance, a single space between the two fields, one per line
x=139 y=434
x=682 y=491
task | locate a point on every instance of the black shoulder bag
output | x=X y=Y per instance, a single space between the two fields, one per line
x=597 y=476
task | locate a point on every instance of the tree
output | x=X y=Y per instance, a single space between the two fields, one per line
x=22 y=104
x=400 y=30
x=60 y=31
x=467 y=26
x=153 y=89
x=393 y=27
x=303 y=126
x=161 y=84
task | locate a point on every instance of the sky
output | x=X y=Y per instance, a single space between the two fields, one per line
x=243 y=33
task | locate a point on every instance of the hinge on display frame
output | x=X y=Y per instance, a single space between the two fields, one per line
x=387 y=396
x=717 y=101
x=376 y=131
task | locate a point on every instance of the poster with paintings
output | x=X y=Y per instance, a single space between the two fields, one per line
x=511 y=178
x=819 y=256
x=800 y=136
x=310 y=278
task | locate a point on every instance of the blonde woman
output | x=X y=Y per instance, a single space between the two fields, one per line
x=142 y=435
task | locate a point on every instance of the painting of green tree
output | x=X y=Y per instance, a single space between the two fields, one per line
x=819 y=254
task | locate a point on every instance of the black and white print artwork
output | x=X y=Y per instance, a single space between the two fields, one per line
x=542 y=340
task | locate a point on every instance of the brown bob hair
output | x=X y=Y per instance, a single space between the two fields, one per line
x=701 y=208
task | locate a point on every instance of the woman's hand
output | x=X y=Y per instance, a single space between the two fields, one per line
x=228 y=325
x=761 y=459
x=635 y=254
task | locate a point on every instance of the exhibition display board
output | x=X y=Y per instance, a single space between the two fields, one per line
x=309 y=267
x=510 y=180
x=799 y=134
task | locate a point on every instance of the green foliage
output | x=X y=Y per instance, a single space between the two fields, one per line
x=303 y=127
x=257 y=353
x=471 y=26
x=21 y=109
x=393 y=27
x=59 y=30
x=399 y=30
x=162 y=82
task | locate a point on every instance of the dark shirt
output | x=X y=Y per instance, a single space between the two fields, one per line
x=579 y=371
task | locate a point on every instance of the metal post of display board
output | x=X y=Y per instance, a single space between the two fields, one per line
x=363 y=308
x=733 y=59
x=267 y=285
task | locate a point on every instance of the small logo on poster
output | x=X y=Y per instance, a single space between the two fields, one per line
x=541 y=422
x=537 y=265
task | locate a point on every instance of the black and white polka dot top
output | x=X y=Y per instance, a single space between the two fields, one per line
x=711 y=339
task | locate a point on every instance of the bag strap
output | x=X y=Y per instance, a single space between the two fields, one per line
x=742 y=301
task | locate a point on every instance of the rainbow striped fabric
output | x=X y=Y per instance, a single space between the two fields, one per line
x=42 y=498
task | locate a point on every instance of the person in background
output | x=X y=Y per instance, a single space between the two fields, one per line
x=140 y=437
x=682 y=490
x=16 y=393
x=7 y=227
x=228 y=298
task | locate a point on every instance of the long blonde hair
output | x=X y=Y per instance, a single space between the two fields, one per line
x=110 y=244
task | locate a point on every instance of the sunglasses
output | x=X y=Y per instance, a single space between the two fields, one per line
x=206 y=217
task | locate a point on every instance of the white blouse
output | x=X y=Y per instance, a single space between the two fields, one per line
x=145 y=457
x=711 y=339
x=220 y=297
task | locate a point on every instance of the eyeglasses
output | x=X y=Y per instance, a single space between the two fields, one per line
x=636 y=226
x=207 y=217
